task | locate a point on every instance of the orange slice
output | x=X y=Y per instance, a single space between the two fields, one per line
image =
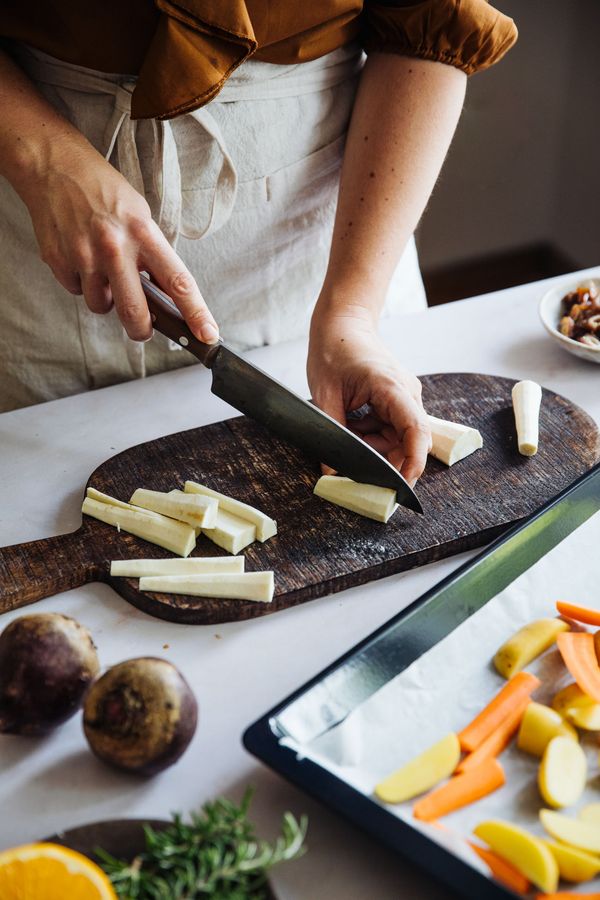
x=53 y=872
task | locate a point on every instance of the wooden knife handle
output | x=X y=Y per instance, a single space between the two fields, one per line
x=37 y=569
x=167 y=319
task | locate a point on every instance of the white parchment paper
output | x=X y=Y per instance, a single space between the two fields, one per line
x=444 y=689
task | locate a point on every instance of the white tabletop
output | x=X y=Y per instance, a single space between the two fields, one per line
x=239 y=670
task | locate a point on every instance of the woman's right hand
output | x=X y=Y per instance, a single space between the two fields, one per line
x=96 y=233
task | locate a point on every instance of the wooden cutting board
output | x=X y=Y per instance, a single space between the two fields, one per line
x=320 y=548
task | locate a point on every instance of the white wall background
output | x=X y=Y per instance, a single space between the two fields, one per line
x=524 y=167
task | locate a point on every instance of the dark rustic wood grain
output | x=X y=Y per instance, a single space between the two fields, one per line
x=320 y=548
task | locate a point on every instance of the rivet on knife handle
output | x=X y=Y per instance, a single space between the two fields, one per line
x=167 y=319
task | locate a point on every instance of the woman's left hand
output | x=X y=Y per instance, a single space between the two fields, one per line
x=348 y=367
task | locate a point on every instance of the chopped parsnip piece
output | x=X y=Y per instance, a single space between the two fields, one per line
x=201 y=512
x=196 y=565
x=265 y=526
x=93 y=494
x=174 y=536
x=452 y=441
x=230 y=532
x=257 y=586
x=526 y=399
x=365 y=499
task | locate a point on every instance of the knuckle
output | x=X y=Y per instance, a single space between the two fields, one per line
x=140 y=228
x=181 y=284
x=130 y=314
x=109 y=241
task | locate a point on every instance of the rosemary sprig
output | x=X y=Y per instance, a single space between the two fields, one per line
x=216 y=855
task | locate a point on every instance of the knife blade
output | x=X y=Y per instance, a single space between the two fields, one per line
x=258 y=395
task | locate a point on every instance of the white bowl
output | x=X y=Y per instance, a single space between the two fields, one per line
x=550 y=313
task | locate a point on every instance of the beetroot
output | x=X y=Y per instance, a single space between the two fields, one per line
x=47 y=661
x=140 y=715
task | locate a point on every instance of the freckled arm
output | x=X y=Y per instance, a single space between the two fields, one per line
x=404 y=117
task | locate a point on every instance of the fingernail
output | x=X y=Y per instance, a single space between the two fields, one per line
x=209 y=333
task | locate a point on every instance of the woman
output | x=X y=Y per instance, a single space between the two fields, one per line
x=213 y=162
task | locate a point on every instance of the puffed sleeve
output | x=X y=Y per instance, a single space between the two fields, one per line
x=468 y=34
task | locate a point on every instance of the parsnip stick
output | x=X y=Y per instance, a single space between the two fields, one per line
x=365 y=499
x=258 y=586
x=174 y=536
x=201 y=512
x=452 y=441
x=265 y=526
x=196 y=565
x=526 y=399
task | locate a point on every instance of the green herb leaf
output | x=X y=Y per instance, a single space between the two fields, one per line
x=216 y=855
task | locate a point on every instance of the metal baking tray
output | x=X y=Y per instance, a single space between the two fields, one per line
x=326 y=700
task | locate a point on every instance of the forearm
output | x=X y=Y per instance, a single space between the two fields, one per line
x=404 y=117
x=34 y=137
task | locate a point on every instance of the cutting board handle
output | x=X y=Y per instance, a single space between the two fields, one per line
x=37 y=569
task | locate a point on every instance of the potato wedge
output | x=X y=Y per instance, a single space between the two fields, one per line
x=422 y=772
x=527 y=644
x=590 y=813
x=574 y=865
x=539 y=726
x=575 y=832
x=562 y=772
x=577 y=707
x=527 y=853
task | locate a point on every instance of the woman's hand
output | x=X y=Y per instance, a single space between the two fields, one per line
x=348 y=367
x=93 y=229
x=96 y=234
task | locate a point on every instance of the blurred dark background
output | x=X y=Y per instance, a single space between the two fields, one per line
x=518 y=195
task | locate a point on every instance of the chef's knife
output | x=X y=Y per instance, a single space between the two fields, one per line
x=259 y=396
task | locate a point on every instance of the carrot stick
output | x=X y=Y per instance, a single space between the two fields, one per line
x=475 y=733
x=579 y=613
x=498 y=740
x=579 y=656
x=460 y=791
x=503 y=870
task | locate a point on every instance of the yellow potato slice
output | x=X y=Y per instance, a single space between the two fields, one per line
x=577 y=707
x=422 y=772
x=590 y=813
x=528 y=853
x=574 y=832
x=574 y=865
x=539 y=725
x=526 y=644
x=562 y=772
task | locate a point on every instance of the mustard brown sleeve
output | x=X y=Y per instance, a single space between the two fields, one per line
x=468 y=34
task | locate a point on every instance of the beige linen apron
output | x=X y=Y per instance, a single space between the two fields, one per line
x=244 y=188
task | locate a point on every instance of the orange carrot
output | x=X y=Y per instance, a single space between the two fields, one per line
x=579 y=613
x=579 y=656
x=522 y=685
x=502 y=870
x=498 y=740
x=568 y=895
x=460 y=791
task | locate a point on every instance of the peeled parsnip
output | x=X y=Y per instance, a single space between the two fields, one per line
x=197 y=565
x=452 y=441
x=200 y=512
x=365 y=499
x=93 y=494
x=230 y=532
x=174 y=536
x=258 y=586
x=526 y=399
x=265 y=526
